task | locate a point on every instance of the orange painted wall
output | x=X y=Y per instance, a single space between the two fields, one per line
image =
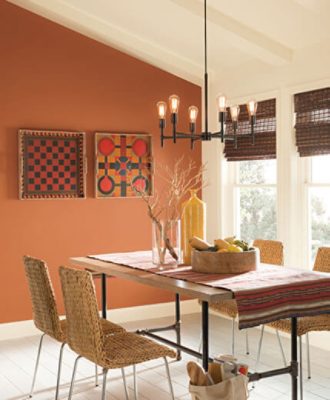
x=54 y=78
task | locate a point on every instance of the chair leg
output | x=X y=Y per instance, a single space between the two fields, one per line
x=104 y=385
x=308 y=357
x=169 y=378
x=259 y=346
x=247 y=342
x=37 y=365
x=59 y=369
x=125 y=384
x=281 y=347
x=96 y=376
x=135 y=383
x=200 y=344
x=233 y=337
x=301 y=369
x=73 y=377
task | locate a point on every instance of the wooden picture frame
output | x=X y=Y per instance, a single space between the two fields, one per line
x=52 y=164
x=123 y=160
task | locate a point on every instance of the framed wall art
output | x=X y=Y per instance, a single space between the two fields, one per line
x=51 y=164
x=122 y=161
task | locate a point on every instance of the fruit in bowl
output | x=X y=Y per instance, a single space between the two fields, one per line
x=229 y=255
x=227 y=245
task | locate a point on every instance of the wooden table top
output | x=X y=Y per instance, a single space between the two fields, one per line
x=194 y=290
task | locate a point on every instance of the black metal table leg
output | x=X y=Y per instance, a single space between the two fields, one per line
x=104 y=295
x=205 y=335
x=178 y=324
x=294 y=359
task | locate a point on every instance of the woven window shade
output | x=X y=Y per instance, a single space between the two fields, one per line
x=313 y=122
x=265 y=134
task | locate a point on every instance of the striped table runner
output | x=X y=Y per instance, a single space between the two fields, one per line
x=268 y=294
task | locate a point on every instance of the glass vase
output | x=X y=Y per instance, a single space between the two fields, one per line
x=166 y=242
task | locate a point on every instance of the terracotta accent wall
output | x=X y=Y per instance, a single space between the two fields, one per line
x=54 y=78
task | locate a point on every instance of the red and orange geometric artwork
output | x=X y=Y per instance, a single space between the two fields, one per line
x=123 y=161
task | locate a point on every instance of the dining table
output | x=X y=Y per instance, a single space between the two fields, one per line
x=258 y=297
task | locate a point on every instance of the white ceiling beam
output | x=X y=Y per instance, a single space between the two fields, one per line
x=244 y=37
x=310 y=5
x=121 y=39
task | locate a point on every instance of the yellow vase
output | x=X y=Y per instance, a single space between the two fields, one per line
x=193 y=223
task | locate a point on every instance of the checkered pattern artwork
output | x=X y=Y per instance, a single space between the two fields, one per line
x=51 y=164
x=123 y=161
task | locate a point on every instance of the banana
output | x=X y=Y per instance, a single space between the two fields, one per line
x=221 y=244
x=230 y=239
x=235 y=249
x=199 y=244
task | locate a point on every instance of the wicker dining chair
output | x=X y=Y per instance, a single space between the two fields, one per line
x=45 y=315
x=85 y=336
x=271 y=252
x=307 y=324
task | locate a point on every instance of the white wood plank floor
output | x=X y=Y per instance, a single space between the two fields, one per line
x=17 y=362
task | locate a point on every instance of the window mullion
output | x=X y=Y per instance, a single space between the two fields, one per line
x=256 y=186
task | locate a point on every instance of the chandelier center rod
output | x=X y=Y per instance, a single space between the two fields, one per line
x=205 y=70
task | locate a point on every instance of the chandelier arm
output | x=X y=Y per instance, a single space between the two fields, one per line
x=217 y=134
x=168 y=137
x=192 y=136
x=184 y=135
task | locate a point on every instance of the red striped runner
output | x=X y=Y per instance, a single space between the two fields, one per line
x=268 y=294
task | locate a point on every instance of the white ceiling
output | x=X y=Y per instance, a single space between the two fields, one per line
x=169 y=33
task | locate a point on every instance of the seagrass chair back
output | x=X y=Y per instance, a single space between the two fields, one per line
x=322 y=260
x=44 y=308
x=84 y=332
x=271 y=251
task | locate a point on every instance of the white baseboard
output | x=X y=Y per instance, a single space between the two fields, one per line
x=150 y=311
x=15 y=330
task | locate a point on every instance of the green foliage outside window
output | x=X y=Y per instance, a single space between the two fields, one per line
x=257 y=204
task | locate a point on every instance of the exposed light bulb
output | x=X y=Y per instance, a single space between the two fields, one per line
x=193 y=113
x=221 y=100
x=252 y=107
x=234 y=112
x=161 y=108
x=174 y=101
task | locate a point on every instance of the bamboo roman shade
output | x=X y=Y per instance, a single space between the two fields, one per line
x=313 y=122
x=265 y=134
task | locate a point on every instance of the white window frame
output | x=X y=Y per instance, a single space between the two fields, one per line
x=306 y=166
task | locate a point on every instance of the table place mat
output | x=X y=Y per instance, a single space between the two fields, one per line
x=268 y=294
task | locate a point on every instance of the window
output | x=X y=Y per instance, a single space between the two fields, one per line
x=255 y=193
x=312 y=126
x=318 y=186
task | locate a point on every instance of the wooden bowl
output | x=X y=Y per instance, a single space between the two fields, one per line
x=210 y=262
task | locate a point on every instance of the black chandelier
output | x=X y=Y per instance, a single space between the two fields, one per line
x=205 y=135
